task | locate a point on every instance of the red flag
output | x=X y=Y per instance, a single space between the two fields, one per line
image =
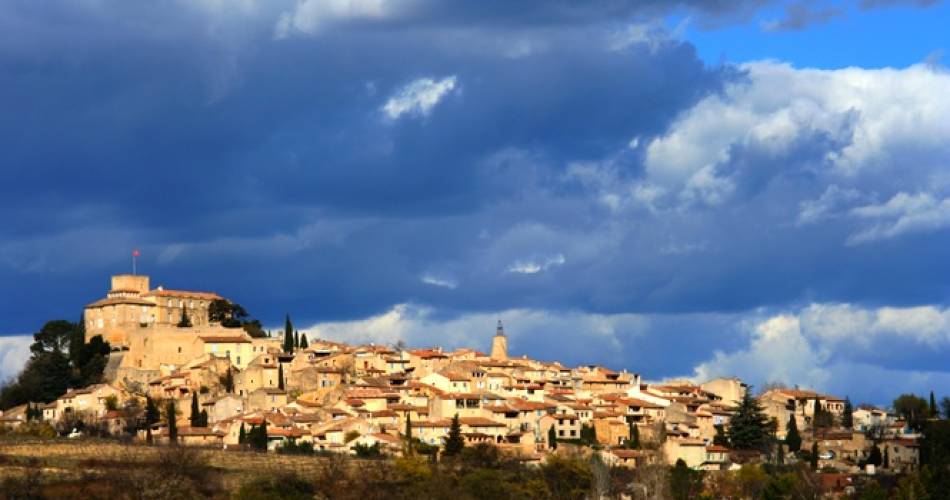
x=136 y=253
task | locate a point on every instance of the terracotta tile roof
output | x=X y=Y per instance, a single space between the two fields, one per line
x=221 y=339
x=182 y=293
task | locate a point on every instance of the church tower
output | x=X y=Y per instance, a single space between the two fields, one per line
x=499 y=344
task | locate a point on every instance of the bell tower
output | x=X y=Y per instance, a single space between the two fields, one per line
x=499 y=344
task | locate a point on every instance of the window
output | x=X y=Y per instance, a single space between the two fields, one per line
x=238 y=360
x=179 y=349
x=460 y=403
x=560 y=433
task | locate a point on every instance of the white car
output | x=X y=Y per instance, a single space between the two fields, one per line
x=75 y=434
x=826 y=455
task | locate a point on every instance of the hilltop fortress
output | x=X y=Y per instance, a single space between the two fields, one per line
x=144 y=323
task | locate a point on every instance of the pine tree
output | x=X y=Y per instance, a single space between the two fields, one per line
x=172 y=424
x=814 y=455
x=634 y=442
x=792 y=438
x=195 y=417
x=934 y=413
x=552 y=437
x=454 y=443
x=847 y=418
x=749 y=427
x=280 y=376
x=288 y=335
x=303 y=341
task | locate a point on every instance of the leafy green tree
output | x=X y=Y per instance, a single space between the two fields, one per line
x=749 y=427
x=792 y=438
x=945 y=405
x=170 y=416
x=872 y=491
x=195 y=417
x=935 y=458
x=847 y=417
x=303 y=341
x=552 y=437
x=822 y=418
x=280 y=487
x=288 y=335
x=913 y=409
x=227 y=313
x=567 y=477
x=454 y=442
x=634 y=442
x=685 y=483
x=721 y=439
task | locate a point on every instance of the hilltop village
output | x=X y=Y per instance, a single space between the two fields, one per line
x=227 y=382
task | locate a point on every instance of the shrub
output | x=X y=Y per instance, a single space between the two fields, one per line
x=282 y=487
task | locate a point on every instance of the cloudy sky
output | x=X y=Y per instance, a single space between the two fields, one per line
x=680 y=188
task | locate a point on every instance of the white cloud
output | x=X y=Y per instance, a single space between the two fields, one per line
x=595 y=336
x=434 y=280
x=870 y=122
x=534 y=266
x=14 y=351
x=310 y=16
x=902 y=214
x=828 y=205
x=418 y=97
x=822 y=345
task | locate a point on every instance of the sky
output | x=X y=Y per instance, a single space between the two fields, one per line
x=690 y=188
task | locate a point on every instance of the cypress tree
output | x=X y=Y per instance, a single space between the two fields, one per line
x=409 y=447
x=296 y=339
x=887 y=459
x=875 y=457
x=933 y=406
x=814 y=455
x=242 y=435
x=454 y=443
x=229 y=381
x=792 y=438
x=303 y=341
x=185 y=322
x=288 y=335
x=552 y=437
x=847 y=418
x=634 y=442
x=261 y=443
x=195 y=417
x=204 y=418
x=172 y=424
x=749 y=427
x=280 y=376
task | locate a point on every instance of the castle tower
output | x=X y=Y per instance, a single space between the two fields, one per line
x=499 y=344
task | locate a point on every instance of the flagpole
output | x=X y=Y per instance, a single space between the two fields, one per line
x=133 y=263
